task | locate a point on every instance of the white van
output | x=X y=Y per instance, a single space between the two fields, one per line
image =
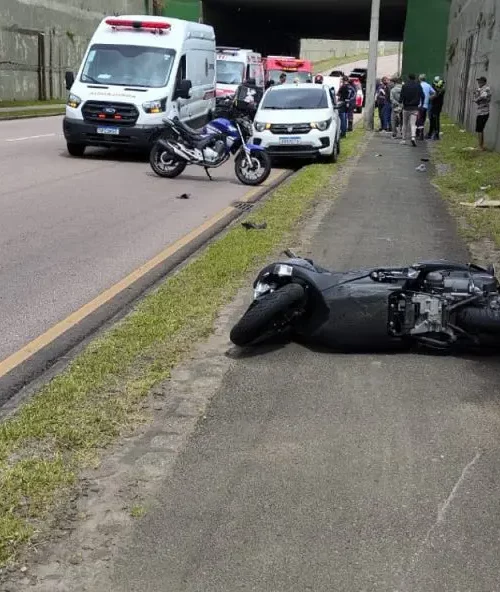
x=234 y=66
x=136 y=71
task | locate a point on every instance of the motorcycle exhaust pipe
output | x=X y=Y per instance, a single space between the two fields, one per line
x=174 y=150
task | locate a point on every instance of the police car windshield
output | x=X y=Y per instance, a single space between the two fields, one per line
x=230 y=72
x=128 y=65
x=288 y=97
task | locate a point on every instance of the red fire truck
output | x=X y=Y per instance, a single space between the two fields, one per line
x=275 y=66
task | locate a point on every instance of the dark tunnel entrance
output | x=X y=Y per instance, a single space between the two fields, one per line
x=273 y=30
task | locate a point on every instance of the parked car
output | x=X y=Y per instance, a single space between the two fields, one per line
x=299 y=121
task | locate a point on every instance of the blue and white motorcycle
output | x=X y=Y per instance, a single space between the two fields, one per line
x=180 y=146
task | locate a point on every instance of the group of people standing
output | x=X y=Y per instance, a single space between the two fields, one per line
x=405 y=107
x=346 y=96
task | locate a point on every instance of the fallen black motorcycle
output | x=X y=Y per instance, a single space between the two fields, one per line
x=441 y=305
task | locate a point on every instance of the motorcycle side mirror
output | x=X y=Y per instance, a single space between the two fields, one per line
x=69 y=78
x=183 y=90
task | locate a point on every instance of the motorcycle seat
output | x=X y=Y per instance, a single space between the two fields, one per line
x=189 y=131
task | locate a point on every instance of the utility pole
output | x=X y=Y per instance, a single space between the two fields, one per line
x=372 y=65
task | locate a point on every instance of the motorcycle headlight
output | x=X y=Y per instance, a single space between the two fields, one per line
x=73 y=101
x=260 y=126
x=261 y=288
x=322 y=125
x=158 y=106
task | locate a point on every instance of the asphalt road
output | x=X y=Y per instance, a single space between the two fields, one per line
x=356 y=473
x=70 y=228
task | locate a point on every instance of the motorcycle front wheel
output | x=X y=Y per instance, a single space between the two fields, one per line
x=263 y=314
x=257 y=172
x=164 y=164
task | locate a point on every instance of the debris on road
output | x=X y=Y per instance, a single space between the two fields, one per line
x=254 y=225
x=184 y=196
x=425 y=159
x=422 y=168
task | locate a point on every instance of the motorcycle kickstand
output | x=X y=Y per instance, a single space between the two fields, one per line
x=208 y=173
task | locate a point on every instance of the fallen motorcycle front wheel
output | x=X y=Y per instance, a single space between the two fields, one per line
x=165 y=164
x=265 y=314
x=254 y=172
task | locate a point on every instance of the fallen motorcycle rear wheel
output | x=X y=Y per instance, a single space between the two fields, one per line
x=264 y=313
x=479 y=320
x=165 y=164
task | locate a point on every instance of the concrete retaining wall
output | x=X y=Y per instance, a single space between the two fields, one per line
x=473 y=50
x=322 y=49
x=41 y=39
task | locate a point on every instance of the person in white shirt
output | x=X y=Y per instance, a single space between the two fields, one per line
x=424 y=108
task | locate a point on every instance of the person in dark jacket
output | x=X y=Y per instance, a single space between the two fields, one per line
x=344 y=98
x=383 y=103
x=436 y=107
x=412 y=97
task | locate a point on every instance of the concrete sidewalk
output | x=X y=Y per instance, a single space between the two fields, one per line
x=325 y=472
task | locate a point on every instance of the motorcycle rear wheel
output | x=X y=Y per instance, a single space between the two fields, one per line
x=479 y=320
x=261 y=162
x=164 y=164
x=262 y=314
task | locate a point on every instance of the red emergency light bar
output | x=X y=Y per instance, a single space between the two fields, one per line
x=290 y=63
x=114 y=22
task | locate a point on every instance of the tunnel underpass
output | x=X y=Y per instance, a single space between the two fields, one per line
x=276 y=26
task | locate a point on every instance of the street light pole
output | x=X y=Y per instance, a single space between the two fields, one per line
x=372 y=66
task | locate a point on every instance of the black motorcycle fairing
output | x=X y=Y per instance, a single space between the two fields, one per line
x=358 y=317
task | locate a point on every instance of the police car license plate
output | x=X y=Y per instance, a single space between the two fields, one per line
x=288 y=140
x=114 y=131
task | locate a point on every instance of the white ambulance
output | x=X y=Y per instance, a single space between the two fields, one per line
x=234 y=66
x=136 y=71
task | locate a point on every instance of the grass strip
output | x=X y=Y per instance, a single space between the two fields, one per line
x=460 y=175
x=31 y=113
x=98 y=397
x=21 y=104
x=330 y=63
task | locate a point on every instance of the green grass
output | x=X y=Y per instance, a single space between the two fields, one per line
x=15 y=103
x=66 y=425
x=330 y=63
x=466 y=172
x=31 y=113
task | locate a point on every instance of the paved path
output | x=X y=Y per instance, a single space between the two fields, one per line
x=316 y=471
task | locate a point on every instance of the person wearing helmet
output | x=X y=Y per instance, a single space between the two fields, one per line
x=318 y=79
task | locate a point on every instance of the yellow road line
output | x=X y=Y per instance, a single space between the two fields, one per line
x=76 y=317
